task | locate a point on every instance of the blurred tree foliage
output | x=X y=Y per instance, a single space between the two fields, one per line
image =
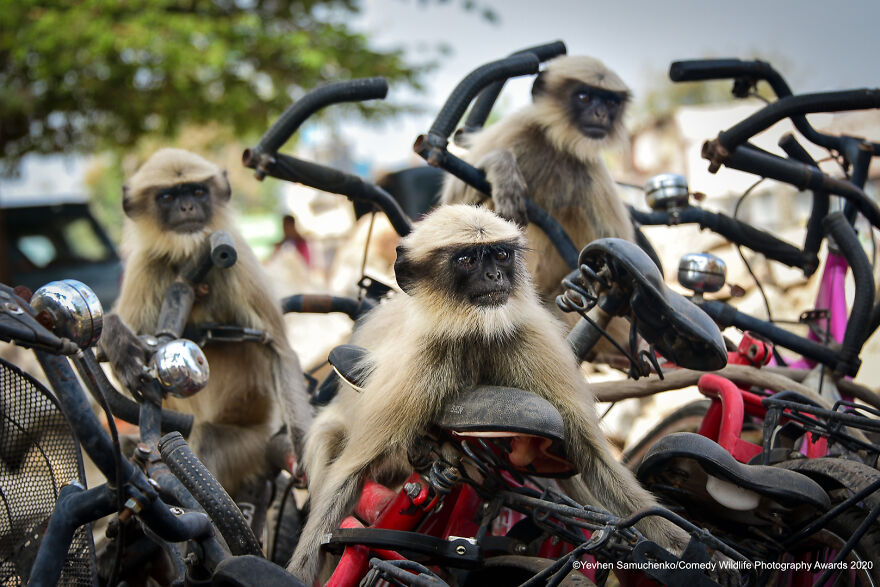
x=101 y=74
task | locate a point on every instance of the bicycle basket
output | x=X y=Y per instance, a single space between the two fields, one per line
x=38 y=454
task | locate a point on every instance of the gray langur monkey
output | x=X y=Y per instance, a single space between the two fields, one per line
x=551 y=151
x=172 y=203
x=469 y=316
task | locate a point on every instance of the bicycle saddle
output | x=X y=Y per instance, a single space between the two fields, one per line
x=534 y=425
x=348 y=362
x=675 y=326
x=673 y=456
x=248 y=570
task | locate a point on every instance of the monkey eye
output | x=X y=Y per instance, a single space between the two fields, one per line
x=465 y=260
x=584 y=97
x=200 y=192
x=165 y=197
x=501 y=255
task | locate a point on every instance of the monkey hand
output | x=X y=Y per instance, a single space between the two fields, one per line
x=124 y=351
x=509 y=188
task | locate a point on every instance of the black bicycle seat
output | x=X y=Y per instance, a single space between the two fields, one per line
x=680 y=330
x=248 y=570
x=491 y=411
x=672 y=453
x=348 y=362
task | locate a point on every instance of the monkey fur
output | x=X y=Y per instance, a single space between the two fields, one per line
x=453 y=329
x=173 y=202
x=551 y=152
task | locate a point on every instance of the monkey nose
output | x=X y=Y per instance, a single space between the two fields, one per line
x=493 y=274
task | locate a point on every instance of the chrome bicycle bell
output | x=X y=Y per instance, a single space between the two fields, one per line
x=181 y=367
x=702 y=272
x=667 y=192
x=75 y=309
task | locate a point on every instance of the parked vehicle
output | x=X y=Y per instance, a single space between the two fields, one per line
x=45 y=239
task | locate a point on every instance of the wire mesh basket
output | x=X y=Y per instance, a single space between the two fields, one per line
x=38 y=455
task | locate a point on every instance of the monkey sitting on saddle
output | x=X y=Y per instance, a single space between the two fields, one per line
x=551 y=151
x=468 y=316
x=172 y=203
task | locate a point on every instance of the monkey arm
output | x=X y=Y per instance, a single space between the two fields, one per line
x=509 y=188
x=381 y=422
x=124 y=350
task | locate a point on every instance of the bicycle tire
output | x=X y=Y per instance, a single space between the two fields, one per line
x=842 y=479
x=288 y=527
x=686 y=418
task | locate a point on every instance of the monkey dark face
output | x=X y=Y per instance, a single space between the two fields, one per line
x=483 y=274
x=184 y=208
x=594 y=111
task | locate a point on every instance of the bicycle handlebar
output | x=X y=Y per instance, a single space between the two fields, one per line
x=736 y=231
x=289 y=122
x=797 y=174
x=846 y=359
x=331 y=180
x=476 y=81
x=709 y=69
x=486 y=100
x=326 y=304
x=693 y=70
x=217 y=251
x=791 y=106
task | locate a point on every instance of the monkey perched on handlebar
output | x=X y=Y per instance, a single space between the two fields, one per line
x=172 y=203
x=551 y=152
x=469 y=316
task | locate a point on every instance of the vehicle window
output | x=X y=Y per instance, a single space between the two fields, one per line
x=37 y=248
x=83 y=242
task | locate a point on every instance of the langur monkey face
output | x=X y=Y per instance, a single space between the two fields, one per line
x=184 y=208
x=483 y=274
x=594 y=111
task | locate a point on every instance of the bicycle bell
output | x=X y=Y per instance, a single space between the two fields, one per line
x=181 y=367
x=75 y=309
x=667 y=192
x=702 y=272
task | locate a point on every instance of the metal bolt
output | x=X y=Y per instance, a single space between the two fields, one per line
x=520 y=548
x=176 y=511
x=460 y=550
x=133 y=505
x=412 y=490
x=142 y=451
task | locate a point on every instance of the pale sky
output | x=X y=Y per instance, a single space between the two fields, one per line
x=815 y=45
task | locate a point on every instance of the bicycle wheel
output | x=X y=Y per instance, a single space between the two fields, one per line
x=687 y=418
x=841 y=479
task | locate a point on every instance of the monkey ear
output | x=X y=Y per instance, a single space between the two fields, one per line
x=539 y=86
x=224 y=191
x=405 y=271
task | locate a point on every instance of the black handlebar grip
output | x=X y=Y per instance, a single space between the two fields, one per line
x=325 y=304
x=486 y=100
x=335 y=181
x=803 y=177
x=754 y=238
x=474 y=82
x=222 y=247
x=546 y=51
x=859 y=321
x=356 y=90
x=693 y=70
x=210 y=494
x=861 y=99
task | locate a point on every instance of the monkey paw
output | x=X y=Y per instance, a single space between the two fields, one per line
x=124 y=350
x=509 y=188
